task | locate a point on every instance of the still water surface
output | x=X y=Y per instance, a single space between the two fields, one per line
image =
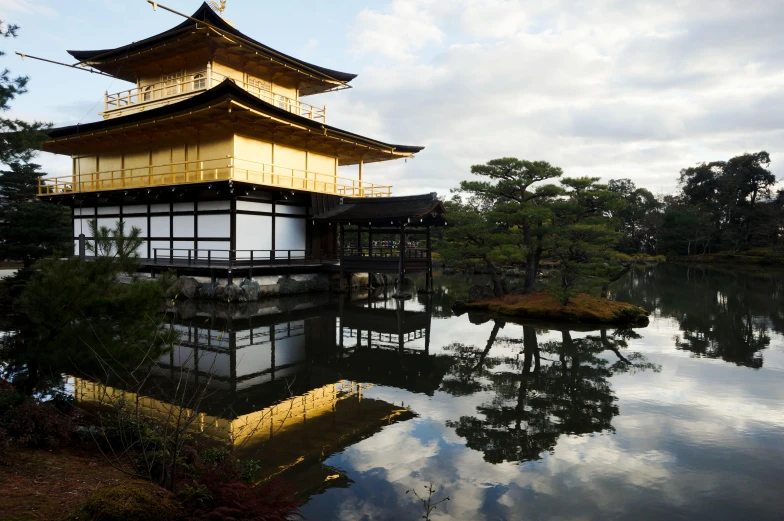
x=682 y=419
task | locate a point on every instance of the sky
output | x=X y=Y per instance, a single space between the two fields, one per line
x=604 y=88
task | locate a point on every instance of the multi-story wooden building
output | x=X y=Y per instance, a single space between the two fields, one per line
x=215 y=156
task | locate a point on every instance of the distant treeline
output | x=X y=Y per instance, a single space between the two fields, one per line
x=517 y=215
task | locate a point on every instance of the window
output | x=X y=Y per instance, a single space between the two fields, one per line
x=147 y=93
x=280 y=101
x=172 y=83
x=199 y=81
x=259 y=85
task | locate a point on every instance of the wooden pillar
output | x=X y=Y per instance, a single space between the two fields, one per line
x=361 y=191
x=401 y=309
x=401 y=267
x=429 y=278
x=342 y=255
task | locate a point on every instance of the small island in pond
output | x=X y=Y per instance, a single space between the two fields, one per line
x=582 y=307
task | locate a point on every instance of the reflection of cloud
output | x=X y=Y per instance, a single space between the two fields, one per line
x=697 y=440
x=395 y=450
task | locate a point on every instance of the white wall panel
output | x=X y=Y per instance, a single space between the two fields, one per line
x=108 y=210
x=252 y=206
x=159 y=207
x=183 y=226
x=159 y=227
x=214 y=245
x=142 y=250
x=109 y=222
x=214 y=226
x=213 y=205
x=84 y=211
x=290 y=210
x=183 y=207
x=254 y=232
x=134 y=208
x=183 y=245
x=162 y=245
x=289 y=233
x=139 y=222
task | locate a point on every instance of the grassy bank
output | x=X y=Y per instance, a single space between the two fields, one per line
x=581 y=308
x=48 y=484
x=755 y=257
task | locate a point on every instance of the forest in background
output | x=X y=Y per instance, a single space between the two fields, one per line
x=526 y=214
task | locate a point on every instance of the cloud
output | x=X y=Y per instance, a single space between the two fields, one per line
x=27 y=6
x=396 y=32
x=608 y=88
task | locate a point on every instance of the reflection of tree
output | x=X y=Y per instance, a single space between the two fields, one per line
x=470 y=365
x=723 y=315
x=559 y=387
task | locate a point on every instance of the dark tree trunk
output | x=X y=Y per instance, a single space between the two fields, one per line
x=498 y=289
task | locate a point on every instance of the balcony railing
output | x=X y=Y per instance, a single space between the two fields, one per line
x=229 y=168
x=173 y=90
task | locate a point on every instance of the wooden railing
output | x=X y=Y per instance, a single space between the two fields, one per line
x=229 y=168
x=230 y=259
x=168 y=91
x=385 y=251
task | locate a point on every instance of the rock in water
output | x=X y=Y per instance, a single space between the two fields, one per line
x=207 y=290
x=187 y=287
x=288 y=286
x=220 y=292
x=250 y=289
x=233 y=293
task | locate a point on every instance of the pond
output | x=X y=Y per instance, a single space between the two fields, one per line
x=357 y=400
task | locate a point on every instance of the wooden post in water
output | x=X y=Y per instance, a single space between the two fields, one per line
x=429 y=278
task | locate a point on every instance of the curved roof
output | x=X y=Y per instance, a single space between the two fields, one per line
x=414 y=209
x=226 y=91
x=206 y=14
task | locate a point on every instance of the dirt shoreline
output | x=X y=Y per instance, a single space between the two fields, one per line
x=582 y=308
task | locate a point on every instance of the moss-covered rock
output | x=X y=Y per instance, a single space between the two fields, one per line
x=581 y=308
x=130 y=501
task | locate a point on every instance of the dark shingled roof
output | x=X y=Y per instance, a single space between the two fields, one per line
x=206 y=14
x=411 y=209
x=229 y=90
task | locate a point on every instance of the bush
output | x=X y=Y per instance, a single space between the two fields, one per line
x=131 y=501
x=218 y=486
x=243 y=501
x=31 y=422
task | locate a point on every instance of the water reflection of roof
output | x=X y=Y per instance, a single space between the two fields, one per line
x=384 y=320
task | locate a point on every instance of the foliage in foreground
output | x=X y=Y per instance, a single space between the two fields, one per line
x=75 y=317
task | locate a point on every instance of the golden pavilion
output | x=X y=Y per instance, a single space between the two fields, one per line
x=215 y=156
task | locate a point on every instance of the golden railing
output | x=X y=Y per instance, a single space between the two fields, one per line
x=229 y=168
x=164 y=92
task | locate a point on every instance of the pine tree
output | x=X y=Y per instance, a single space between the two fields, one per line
x=30 y=229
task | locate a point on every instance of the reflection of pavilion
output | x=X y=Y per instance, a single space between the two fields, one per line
x=380 y=353
x=282 y=376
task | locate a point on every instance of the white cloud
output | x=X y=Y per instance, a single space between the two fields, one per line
x=608 y=88
x=26 y=6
